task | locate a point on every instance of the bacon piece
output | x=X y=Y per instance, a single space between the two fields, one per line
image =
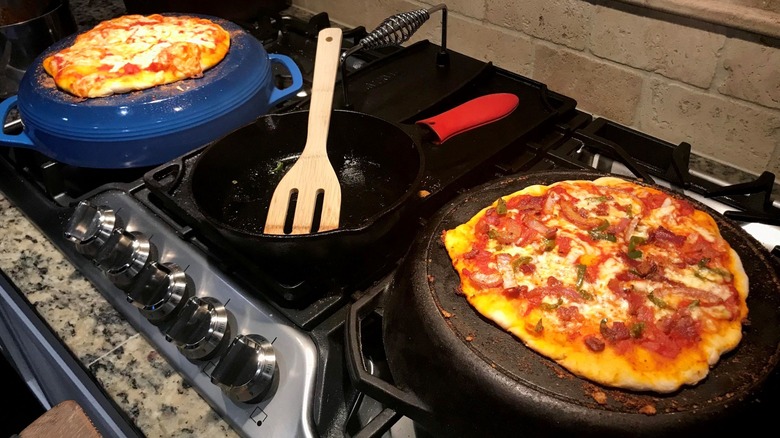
x=563 y=244
x=602 y=209
x=471 y=254
x=704 y=297
x=549 y=202
x=636 y=301
x=594 y=343
x=616 y=286
x=569 y=313
x=684 y=208
x=504 y=263
x=527 y=268
x=654 y=200
x=645 y=313
x=525 y=203
x=541 y=228
x=558 y=291
x=582 y=222
x=664 y=235
x=512 y=232
x=693 y=252
x=483 y=225
x=680 y=326
x=485 y=279
x=515 y=292
x=630 y=228
x=619 y=226
x=618 y=332
x=646 y=267
x=509 y=232
x=686 y=328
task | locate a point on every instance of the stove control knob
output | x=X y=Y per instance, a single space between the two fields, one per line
x=161 y=291
x=246 y=372
x=202 y=329
x=131 y=254
x=92 y=228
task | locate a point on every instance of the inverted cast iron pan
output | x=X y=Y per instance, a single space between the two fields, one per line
x=476 y=379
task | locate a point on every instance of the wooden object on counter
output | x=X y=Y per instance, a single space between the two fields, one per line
x=67 y=419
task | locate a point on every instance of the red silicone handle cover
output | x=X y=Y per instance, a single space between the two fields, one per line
x=472 y=114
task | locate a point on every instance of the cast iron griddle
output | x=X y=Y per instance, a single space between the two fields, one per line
x=475 y=348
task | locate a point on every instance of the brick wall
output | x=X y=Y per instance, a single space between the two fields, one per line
x=714 y=86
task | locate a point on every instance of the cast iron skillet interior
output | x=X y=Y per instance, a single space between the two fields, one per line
x=377 y=163
x=473 y=343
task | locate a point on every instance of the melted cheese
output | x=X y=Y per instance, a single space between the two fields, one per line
x=136 y=52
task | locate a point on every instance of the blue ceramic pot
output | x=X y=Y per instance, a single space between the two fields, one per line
x=152 y=126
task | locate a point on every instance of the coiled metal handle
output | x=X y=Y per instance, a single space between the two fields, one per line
x=396 y=30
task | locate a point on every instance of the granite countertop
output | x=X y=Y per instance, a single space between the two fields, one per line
x=131 y=372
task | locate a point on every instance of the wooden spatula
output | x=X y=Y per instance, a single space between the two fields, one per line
x=312 y=174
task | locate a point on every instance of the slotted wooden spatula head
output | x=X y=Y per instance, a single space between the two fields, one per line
x=312 y=178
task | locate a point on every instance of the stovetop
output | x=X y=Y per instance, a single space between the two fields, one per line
x=208 y=307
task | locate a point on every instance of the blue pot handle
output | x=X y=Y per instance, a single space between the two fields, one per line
x=297 y=79
x=21 y=139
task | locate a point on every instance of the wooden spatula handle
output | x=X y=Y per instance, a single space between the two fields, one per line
x=323 y=86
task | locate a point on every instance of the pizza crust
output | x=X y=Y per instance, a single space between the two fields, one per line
x=621 y=365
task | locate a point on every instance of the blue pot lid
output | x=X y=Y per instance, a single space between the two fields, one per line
x=163 y=109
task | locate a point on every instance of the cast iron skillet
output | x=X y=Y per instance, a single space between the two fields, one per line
x=478 y=380
x=379 y=166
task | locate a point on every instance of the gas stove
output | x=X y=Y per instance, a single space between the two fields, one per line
x=274 y=355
